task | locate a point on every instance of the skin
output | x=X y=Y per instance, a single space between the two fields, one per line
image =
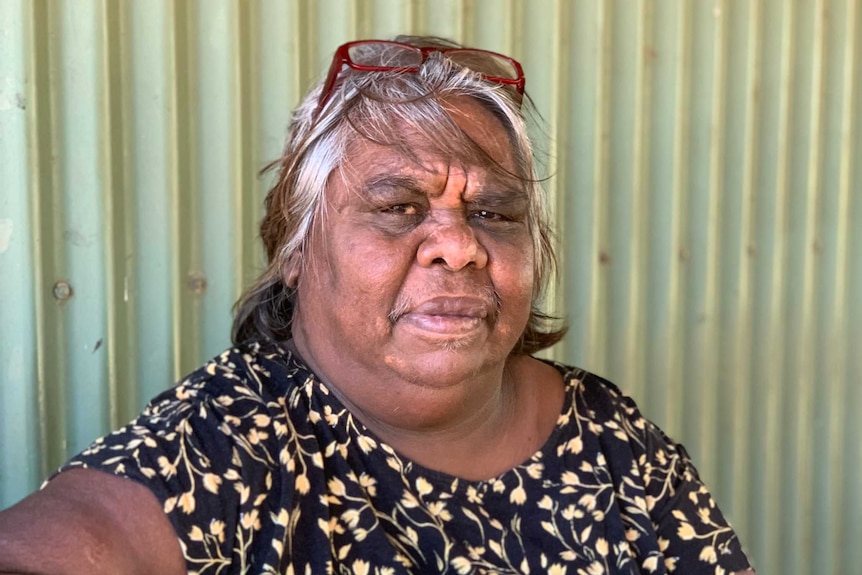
x=89 y=522
x=447 y=247
x=427 y=276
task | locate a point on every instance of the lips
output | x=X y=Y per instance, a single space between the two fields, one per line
x=454 y=306
x=450 y=316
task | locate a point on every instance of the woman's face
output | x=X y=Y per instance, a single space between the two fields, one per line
x=418 y=270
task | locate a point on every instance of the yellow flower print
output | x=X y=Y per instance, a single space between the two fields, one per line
x=602 y=546
x=187 y=502
x=336 y=486
x=462 y=565
x=423 y=487
x=166 y=468
x=211 y=482
x=369 y=483
x=409 y=500
x=351 y=518
x=343 y=551
x=518 y=496
x=551 y=506
x=570 y=478
x=366 y=444
x=255 y=436
x=708 y=555
x=331 y=418
x=534 y=470
x=302 y=484
x=651 y=564
x=243 y=490
x=217 y=528
x=438 y=509
x=250 y=520
x=685 y=532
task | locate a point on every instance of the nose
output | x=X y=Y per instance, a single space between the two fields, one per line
x=452 y=244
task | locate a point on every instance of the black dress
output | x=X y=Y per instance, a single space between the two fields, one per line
x=262 y=470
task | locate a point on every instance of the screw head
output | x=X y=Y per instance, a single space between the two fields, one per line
x=196 y=283
x=62 y=290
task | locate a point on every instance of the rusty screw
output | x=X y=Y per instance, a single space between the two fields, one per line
x=197 y=283
x=62 y=290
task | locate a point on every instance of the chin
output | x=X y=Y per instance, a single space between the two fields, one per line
x=447 y=361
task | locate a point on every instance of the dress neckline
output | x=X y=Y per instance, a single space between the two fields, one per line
x=412 y=469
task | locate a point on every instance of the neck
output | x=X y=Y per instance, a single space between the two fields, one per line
x=392 y=405
x=474 y=429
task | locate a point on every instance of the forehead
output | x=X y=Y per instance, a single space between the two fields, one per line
x=471 y=139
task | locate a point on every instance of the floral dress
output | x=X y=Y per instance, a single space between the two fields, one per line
x=262 y=470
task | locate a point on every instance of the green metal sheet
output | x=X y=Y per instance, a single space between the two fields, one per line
x=707 y=188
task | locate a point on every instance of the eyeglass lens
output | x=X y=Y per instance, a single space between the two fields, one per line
x=385 y=55
x=484 y=62
x=400 y=56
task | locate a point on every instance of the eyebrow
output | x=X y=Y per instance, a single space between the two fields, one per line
x=497 y=191
x=372 y=185
x=500 y=197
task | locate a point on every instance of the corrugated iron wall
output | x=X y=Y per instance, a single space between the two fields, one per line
x=708 y=193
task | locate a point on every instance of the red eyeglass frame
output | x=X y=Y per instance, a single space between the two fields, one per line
x=342 y=58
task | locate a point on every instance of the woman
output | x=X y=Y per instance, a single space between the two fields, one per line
x=381 y=411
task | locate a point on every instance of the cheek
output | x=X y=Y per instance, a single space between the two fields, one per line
x=513 y=274
x=513 y=269
x=372 y=271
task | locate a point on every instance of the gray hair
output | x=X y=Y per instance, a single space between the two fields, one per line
x=367 y=105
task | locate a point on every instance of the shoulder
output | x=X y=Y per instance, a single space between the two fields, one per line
x=597 y=398
x=212 y=448
x=251 y=370
x=232 y=409
x=234 y=381
x=615 y=425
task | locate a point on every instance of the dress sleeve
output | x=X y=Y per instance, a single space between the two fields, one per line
x=692 y=533
x=208 y=457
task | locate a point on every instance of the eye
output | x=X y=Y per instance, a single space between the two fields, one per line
x=489 y=216
x=401 y=209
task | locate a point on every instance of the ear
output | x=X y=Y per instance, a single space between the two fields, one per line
x=290 y=270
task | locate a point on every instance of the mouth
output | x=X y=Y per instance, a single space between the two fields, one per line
x=448 y=316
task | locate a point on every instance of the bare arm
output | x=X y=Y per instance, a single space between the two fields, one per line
x=89 y=522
